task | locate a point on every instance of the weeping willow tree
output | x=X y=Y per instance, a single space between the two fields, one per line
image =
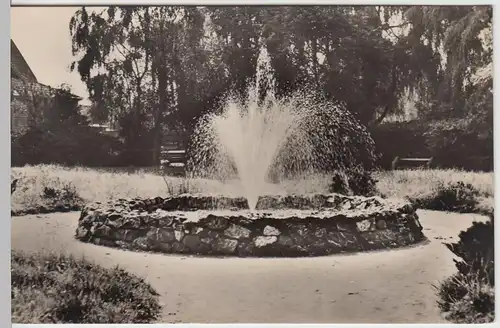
x=448 y=47
x=456 y=93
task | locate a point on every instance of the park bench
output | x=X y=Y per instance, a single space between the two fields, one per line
x=173 y=161
x=411 y=162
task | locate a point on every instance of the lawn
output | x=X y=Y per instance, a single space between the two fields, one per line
x=81 y=185
x=46 y=185
x=425 y=184
x=58 y=289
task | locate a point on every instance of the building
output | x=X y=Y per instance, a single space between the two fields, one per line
x=28 y=96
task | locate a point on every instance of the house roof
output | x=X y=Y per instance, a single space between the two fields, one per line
x=18 y=64
x=22 y=74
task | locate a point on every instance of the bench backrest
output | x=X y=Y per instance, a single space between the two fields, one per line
x=411 y=162
x=178 y=155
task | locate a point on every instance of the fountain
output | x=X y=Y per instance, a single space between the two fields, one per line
x=258 y=140
x=253 y=136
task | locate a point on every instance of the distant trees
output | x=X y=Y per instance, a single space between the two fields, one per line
x=59 y=133
x=157 y=68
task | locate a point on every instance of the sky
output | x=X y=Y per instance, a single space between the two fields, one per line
x=42 y=36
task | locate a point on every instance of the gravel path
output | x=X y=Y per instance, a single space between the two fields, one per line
x=376 y=287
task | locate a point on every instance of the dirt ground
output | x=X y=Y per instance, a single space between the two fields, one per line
x=376 y=287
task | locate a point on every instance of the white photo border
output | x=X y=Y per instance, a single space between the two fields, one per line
x=5 y=313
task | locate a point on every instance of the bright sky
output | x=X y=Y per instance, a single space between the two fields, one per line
x=42 y=36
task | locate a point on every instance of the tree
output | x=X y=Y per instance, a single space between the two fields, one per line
x=142 y=65
x=115 y=63
x=451 y=35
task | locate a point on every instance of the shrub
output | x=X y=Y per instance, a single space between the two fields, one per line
x=45 y=195
x=469 y=295
x=456 y=197
x=410 y=141
x=73 y=145
x=60 y=289
x=466 y=299
x=465 y=143
x=460 y=143
x=356 y=181
x=475 y=248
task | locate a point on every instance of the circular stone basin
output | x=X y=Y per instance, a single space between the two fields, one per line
x=307 y=225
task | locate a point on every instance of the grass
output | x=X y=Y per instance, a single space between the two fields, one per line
x=469 y=295
x=420 y=185
x=85 y=185
x=467 y=299
x=106 y=184
x=61 y=289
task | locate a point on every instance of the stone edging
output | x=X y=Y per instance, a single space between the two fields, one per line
x=342 y=224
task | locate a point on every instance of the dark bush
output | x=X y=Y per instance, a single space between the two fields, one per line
x=476 y=250
x=399 y=139
x=458 y=143
x=355 y=181
x=453 y=143
x=67 y=194
x=469 y=295
x=451 y=290
x=76 y=145
x=59 y=289
x=465 y=299
x=456 y=197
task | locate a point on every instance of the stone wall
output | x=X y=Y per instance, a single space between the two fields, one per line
x=282 y=226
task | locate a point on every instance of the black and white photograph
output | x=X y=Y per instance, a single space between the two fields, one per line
x=252 y=163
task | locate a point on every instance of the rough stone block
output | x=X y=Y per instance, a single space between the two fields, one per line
x=216 y=223
x=179 y=235
x=271 y=231
x=366 y=225
x=82 y=233
x=262 y=241
x=237 y=232
x=101 y=231
x=381 y=224
x=286 y=241
x=224 y=245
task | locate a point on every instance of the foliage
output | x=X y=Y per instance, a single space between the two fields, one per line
x=465 y=143
x=57 y=195
x=410 y=141
x=157 y=68
x=455 y=143
x=65 y=145
x=456 y=197
x=476 y=251
x=144 y=65
x=451 y=38
x=62 y=135
x=355 y=181
x=469 y=295
x=466 y=299
x=340 y=50
x=59 y=289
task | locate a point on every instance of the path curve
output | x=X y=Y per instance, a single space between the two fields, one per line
x=377 y=287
